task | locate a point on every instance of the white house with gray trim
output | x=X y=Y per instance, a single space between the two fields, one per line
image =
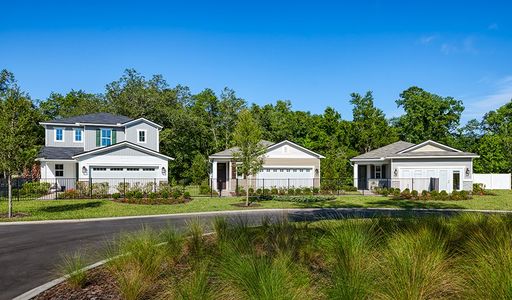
x=285 y=164
x=101 y=146
x=426 y=166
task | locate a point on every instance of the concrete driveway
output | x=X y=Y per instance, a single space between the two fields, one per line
x=31 y=251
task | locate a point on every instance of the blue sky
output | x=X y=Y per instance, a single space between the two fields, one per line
x=314 y=54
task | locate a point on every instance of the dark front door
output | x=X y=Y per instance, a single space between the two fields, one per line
x=362 y=183
x=221 y=176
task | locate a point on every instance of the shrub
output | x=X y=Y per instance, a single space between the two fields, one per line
x=302 y=199
x=396 y=192
x=274 y=191
x=251 y=191
x=186 y=195
x=152 y=196
x=349 y=188
x=70 y=194
x=138 y=195
x=73 y=266
x=123 y=187
x=164 y=194
x=316 y=190
x=405 y=194
x=100 y=189
x=443 y=195
x=266 y=192
x=307 y=191
x=414 y=194
x=116 y=196
x=259 y=191
x=291 y=191
x=35 y=188
x=177 y=192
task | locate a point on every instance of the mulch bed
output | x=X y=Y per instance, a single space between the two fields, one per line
x=100 y=286
x=242 y=204
x=15 y=215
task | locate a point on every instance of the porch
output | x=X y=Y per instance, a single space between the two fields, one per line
x=371 y=176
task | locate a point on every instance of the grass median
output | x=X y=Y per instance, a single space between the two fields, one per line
x=83 y=209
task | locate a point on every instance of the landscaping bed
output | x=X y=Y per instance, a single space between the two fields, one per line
x=463 y=257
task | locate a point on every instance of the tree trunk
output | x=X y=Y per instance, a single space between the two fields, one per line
x=246 y=190
x=9 y=183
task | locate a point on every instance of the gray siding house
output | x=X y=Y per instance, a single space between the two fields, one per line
x=101 y=146
x=426 y=166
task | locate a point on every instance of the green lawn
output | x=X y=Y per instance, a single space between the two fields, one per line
x=81 y=209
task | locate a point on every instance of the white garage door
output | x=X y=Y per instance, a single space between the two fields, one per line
x=124 y=172
x=286 y=176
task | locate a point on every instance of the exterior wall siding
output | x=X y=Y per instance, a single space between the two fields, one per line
x=151 y=135
x=90 y=136
x=68 y=137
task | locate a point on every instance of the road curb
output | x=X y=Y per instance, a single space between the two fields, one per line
x=284 y=210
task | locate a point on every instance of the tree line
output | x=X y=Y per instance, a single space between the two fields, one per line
x=197 y=125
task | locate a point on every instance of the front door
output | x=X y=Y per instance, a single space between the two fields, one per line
x=362 y=182
x=221 y=176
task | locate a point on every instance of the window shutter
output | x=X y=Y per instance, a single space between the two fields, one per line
x=114 y=136
x=383 y=170
x=98 y=137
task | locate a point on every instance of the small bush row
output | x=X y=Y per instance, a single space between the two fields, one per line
x=290 y=191
x=479 y=189
x=300 y=199
x=35 y=188
x=407 y=194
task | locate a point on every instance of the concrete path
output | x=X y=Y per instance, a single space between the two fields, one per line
x=31 y=251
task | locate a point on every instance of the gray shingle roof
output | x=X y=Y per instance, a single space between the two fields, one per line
x=97 y=118
x=230 y=151
x=434 y=153
x=388 y=150
x=59 y=152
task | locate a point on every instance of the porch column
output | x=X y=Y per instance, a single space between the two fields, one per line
x=213 y=179
x=355 y=174
x=368 y=172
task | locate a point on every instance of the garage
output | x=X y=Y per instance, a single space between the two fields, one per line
x=285 y=177
x=118 y=172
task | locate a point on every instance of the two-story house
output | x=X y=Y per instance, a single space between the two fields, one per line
x=101 y=146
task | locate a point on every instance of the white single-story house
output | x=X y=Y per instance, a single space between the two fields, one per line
x=285 y=164
x=426 y=166
x=101 y=147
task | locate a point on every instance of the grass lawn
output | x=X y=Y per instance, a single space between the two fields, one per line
x=81 y=209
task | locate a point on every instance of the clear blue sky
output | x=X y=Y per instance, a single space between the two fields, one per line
x=314 y=54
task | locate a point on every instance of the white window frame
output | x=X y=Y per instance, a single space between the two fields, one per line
x=55 y=135
x=59 y=170
x=377 y=172
x=81 y=135
x=145 y=136
x=101 y=136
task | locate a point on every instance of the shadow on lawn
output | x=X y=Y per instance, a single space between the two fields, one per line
x=412 y=204
x=70 y=207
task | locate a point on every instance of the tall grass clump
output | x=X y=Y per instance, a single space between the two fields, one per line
x=194 y=286
x=137 y=263
x=351 y=252
x=73 y=266
x=415 y=265
x=249 y=276
x=487 y=263
x=195 y=240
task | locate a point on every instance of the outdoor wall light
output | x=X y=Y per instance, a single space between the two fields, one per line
x=468 y=172
x=164 y=171
x=395 y=172
x=316 y=172
x=84 y=170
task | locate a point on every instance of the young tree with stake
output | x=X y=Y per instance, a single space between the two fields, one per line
x=18 y=124
x=249 y=157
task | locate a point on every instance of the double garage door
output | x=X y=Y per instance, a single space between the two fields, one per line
x=447 y=179
x=118 y=172
x=286 y=176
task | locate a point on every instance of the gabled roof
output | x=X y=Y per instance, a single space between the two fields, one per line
x=384 y=152
x=404 y=150
x=122 y=145
x=63 y=153
x=228 y=153
x=96 y=118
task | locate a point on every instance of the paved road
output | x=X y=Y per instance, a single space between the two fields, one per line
x=29 y=253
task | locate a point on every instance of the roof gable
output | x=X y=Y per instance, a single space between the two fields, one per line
x=228 y=153
x=429 y=146
x=289 y=149
x=125 y=144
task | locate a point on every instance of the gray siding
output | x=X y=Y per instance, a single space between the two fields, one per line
x=90 y=136
x=68 y=137
x=151 y=135
x=436 y=162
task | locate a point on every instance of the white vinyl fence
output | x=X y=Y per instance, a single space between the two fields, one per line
x=493 y=181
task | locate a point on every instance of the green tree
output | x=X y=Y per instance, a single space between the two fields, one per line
x=18 y=130
x=249 y=156
x=370 y=128
x=74 y=103
x=198 y=170
x=497 y=141
x=427 y=116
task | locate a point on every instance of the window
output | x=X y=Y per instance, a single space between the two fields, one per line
x=456 y=180
x=106 y=137
x=148 y=169
x=378 y=172
x=78 y=135
x=99 y=169
x=59 y=135
x=116 y=169
x=59 y=170
x=141 y=135
x=132 y=169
